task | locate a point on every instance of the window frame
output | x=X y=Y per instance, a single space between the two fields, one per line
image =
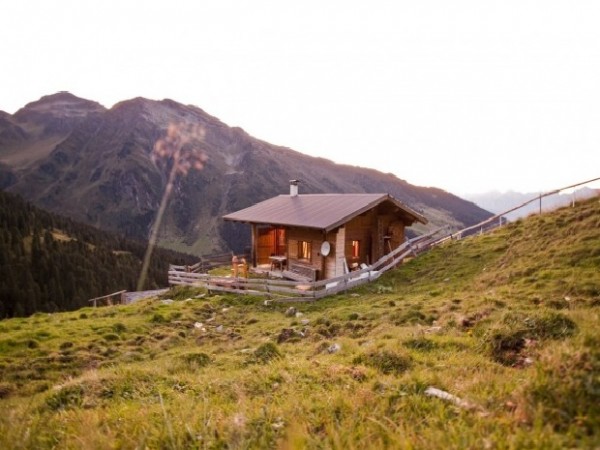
x=304 y=250
x=355 y=245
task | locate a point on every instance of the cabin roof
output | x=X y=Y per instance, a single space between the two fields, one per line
x=320 y=211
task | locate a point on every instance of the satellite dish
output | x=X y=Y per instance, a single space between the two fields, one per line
x=325 y=248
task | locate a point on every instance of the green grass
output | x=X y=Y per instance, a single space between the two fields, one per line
x=506 y=321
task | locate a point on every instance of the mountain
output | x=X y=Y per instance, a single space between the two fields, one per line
x=31 y=133
x=499 y=202
x=77 y=158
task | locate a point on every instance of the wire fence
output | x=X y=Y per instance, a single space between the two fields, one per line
x=498 y=220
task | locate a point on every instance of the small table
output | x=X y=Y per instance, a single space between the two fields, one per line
x=277 y=261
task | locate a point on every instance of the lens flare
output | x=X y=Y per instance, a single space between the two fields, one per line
x=180 y=150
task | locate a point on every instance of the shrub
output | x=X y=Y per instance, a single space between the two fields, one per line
x=158 y=318
x=119 y=327
x=566 y=388
x=66 y=397
x=505 y=345
x=413 y=316
x=505 y=340
x=194 y=361
x=267 y=352
x=557 y=304
x=175 y=315
x=420 y=344
x=6 y=389
x=385 y=361
x=329 y=330
x=43 y=334
x=111 y=337
x=552 y=325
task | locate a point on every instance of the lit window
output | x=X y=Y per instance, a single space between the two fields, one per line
x=304 y=250
x=355 y=249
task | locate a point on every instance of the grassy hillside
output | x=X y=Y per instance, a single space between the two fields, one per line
x=506 y=323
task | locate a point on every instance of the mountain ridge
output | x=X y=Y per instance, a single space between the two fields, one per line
x=94 y=164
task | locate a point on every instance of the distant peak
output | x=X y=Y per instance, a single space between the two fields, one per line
x=163 y=112
x=60 y=95
x=135 y=100
x=63 y=103
x=142 y=102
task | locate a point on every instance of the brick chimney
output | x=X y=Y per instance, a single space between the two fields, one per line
x=294 y=188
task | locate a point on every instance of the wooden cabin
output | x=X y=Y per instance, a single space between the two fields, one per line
x=321 y=236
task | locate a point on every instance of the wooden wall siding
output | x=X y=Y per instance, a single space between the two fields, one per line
x=396 y=229
x=281 y=241
x=292 y=249
x=370 y=229
x=315 y=237
x=329 y=266
x=361 y=229
x=378 y=241
x=339 y=253
x=387 y=226
x=253 y=245
x=329 y=262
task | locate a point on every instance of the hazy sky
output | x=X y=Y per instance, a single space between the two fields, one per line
x=468 y=96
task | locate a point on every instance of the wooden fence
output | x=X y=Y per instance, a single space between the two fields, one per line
x=207 y=263
x=110 y=299
x=286 y=290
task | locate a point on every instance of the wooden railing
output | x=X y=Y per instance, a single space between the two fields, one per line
x=209 y=262
x=286 y=290
x=300 y=272
x=108 y=299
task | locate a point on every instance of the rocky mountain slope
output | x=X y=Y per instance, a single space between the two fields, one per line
x=77 y=158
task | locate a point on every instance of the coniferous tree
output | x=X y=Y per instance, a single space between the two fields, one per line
x=49 y=274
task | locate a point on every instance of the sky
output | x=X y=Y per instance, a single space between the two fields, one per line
x=467 y=96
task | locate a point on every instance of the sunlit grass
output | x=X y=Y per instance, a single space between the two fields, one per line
x=507 y=322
